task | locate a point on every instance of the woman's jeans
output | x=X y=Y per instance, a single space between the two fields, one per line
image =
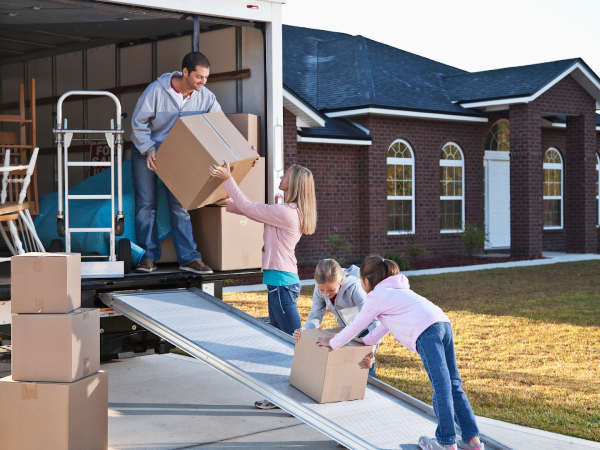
x=146 y=199
x=436 y=348
x=372 y=368
x=283 y=307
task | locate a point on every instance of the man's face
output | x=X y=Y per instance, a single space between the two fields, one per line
x=196 y=79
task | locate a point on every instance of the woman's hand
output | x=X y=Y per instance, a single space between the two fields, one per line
x=323 y=342
x=298 y=333
x=220 y=172
x=221 y=202
x=369 y=360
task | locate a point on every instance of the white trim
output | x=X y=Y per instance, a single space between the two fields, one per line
x=560 y=125
x=300 y=110
x=454 y=163
x=512 y=101
x=556 y=166
x=403 y=162
x=597 y=128
x=332 y=141
x=359 y=126
x=496 y=155
x=415 y=114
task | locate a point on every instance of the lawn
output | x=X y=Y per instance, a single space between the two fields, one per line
x=527 y=342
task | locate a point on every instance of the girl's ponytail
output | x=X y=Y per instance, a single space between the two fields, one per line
x=376 y=269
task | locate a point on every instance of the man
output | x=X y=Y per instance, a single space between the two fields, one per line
x=171 y=96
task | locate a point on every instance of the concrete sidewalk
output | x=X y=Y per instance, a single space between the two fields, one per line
x=549 y=258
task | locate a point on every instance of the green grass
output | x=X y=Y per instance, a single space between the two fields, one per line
x=527 y=342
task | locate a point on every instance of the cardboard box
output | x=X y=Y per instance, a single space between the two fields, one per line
x=56 y=347
x=195 y=143
x=227 y=241
x=253 y=185
x=45 y=283
x=249 y=126
x=66 y=416
x=329 y=376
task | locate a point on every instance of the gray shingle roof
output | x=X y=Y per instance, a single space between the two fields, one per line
x=336 y=129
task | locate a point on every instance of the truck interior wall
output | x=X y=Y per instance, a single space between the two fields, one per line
x=97 y=69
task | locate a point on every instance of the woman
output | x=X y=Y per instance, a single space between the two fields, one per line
x=284 y=223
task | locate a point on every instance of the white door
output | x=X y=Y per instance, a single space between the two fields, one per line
x=498 y=200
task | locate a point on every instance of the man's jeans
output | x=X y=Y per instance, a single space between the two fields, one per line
x=283 y=307
x=146 y=197
x=436 y=348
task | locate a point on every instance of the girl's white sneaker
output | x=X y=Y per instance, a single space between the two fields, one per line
x=432 y=444
x=462 y=445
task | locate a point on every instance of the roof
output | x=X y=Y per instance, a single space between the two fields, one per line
x=334 y=71
x=510 y=82
x=336 y=129
x=339 y=74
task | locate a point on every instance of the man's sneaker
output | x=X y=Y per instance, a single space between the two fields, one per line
x=466 y=446
x=145 y=266
x=265 y=404
x=197 y=266
x=432 y=444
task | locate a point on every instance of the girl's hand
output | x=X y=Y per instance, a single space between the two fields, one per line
x=323 y=342
x=369 y=360
x=220 y=172
x=298 y=333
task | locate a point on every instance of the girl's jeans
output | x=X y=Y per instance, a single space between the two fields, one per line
x=283 y=308
x=372 y=369
x=436 y=348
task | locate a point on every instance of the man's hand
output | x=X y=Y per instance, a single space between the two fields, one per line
x=151 y=159
x=220 y=172
x=298 y=333
x=369 y=360
x=323 y=342
x=255 y=162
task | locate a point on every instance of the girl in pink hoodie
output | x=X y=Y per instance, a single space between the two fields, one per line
x=423 y=328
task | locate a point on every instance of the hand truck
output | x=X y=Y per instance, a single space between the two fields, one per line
x=115 y=266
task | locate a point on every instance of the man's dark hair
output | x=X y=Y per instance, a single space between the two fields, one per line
x=193 y=60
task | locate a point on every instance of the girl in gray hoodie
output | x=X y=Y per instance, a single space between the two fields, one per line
x=338 y=290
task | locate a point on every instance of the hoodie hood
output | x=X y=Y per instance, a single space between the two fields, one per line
x=399 y=281
x=165 y=79
x=352 y=271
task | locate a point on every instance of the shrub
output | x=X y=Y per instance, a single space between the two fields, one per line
x=337 y=245
x=414 y=251
x=474 y=237
x=398 y=259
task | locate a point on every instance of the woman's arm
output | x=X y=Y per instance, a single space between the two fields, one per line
x=360 y=322
x=317 y=310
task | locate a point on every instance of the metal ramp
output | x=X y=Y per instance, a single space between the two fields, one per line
x=260 y=357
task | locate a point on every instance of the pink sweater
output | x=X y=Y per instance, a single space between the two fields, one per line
x=283 y=227
x=401 y=311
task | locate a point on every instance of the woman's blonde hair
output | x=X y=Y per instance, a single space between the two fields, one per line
x=328 y=271
x=302 y=191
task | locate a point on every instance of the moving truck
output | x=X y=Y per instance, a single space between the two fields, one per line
x=121 y=47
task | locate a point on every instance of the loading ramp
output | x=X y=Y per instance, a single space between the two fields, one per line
x=260 y=357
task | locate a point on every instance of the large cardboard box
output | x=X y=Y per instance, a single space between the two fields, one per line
x=56 y=347
x=227 y=241
x=45 y=283
x=329 y=376
x=65 y=416
x=253 y=185
x=195 y=143
x=249 y=126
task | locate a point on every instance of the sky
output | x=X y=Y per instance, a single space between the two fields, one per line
x=472 y=35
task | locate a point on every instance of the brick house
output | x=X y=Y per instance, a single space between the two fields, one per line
x=402 y=144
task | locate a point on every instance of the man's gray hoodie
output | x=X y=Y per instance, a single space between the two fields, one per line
x=157 y=111
x=348 y=302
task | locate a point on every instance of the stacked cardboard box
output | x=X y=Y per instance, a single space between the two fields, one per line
x=228 y=241
x=57 y=395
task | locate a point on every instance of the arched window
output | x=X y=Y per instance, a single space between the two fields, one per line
x=400 y=188
x=452 y=192
x=553 y=189
x=499 y=137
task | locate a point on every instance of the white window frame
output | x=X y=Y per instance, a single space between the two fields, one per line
x=450 y=163
x=403 y=162
x=562 y=188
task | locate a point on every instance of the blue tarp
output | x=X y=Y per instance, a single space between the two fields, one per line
x=96 y=214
